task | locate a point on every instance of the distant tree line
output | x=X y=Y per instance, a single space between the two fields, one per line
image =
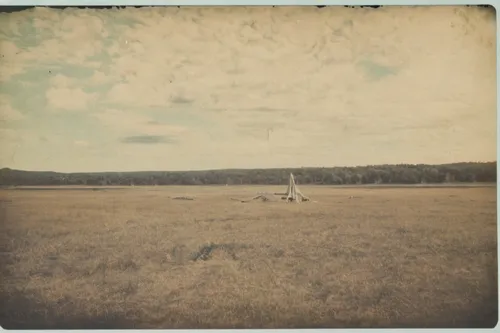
x=372 y=174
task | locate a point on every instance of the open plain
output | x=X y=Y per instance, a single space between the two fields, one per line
x=352 y=257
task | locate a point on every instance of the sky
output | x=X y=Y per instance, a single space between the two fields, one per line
x=136 y=89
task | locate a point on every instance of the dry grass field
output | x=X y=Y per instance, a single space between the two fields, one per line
x=357 y=257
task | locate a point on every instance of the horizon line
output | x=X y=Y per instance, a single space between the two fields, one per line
x=248 y=169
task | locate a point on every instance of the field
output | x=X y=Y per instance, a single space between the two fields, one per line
x=354 y=257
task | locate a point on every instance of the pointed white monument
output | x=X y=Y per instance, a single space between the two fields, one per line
x=293 y=193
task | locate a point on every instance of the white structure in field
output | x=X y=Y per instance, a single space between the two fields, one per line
x=293 y=193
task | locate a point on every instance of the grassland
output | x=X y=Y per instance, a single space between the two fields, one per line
x=356 y=257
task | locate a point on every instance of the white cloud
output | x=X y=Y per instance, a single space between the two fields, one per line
x=68 y=99
x=7 y=112
x=10 y=62
x=81 y=143
x=8 y=134
x=133 y=123
x=98 y=77
x=61 y=81
x=68 y=37
x=137 y=94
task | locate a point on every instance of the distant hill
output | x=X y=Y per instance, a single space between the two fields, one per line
x=467 y=172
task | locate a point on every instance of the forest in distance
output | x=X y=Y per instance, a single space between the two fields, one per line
x=467 y=172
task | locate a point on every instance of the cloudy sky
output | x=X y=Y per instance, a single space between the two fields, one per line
x=206 y=88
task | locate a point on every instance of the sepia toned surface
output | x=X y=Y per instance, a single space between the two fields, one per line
x=208 y=88
x=354 y=257
x=164 y=89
